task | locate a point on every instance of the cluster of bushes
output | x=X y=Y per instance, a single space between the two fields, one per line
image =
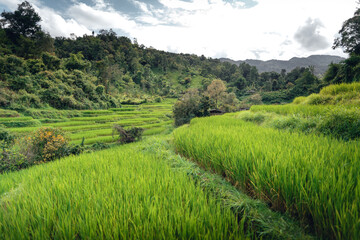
x=43 y=145
x=197 y=103
x=49 y=81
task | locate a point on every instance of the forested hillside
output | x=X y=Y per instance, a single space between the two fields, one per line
x=319 y=63
x=105 y=70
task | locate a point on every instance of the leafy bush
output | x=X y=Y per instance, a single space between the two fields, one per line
x=11 y=159
x=258 y=117
x=191 y=105
x=6 y=136
x=45 y=144
x=317 y=99
x=127 y=136
x=299 y=100
x=341 y=123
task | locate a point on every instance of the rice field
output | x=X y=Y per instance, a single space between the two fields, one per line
x=96 y=125
x=119 y=193
x=314 y=178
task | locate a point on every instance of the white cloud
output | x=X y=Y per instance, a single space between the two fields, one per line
x=57 y=26
x=214 y=28
x=94 y=18
x=309 y=36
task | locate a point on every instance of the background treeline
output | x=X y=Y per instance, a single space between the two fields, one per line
x=104 y=70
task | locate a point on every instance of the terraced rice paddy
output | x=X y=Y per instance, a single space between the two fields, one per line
x=96 y=125
x=313 y=177
x=118 y=193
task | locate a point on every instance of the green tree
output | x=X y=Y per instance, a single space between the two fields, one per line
x=216 y=90
x=189 y=106
x=24 y=21
x=349 y=38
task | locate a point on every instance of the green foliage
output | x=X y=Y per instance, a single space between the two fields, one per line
x=76 y=61
x=51 y=62
x=11 y=159
x=341 y=123
x=191 y=105
x=6 y=136
x=349 y=38
x=24 y=21
x=45 y=144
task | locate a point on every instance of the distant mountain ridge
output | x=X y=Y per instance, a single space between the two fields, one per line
x=320 y=63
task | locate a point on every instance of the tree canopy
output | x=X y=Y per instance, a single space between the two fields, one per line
x=23 y=21
x=349 y=38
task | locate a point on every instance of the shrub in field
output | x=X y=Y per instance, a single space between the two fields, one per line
x=316 y=99
x=191 y=105
x=341 y=123
x=299 y=100
x=258 y=117
x=10 y=158
x=6 y=136
x=127 y=136
x=45 y=144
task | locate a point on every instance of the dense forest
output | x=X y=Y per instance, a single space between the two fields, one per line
x=105 y=70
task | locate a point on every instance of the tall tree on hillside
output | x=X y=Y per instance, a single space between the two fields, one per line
x=216 y=90
x=23 y=21
x=349 y=38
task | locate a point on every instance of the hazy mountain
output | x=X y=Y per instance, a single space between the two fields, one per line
x=320 y=63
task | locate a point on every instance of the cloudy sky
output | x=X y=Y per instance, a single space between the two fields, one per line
x=237 y=29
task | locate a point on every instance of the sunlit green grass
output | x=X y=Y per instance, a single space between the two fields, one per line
x=314 y=178
x=114 y=194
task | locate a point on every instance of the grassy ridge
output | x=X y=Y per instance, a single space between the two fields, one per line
x=313 y=177
x=118 y=193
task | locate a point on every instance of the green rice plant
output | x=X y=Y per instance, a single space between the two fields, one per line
x=317 y=99
x=147 y=126
x=97 y=112
x=302 y=110
x=121 y=109
x=69 y=123
x=51 y=113
x=257 y=117
x=118 y=193
x=8 y=113
x=95 y=139
x=21 y=123
x=153 y=131
x=299 y=100
x=106 y=118
x=22 y=130
x=49 y=120
x=91 y=134
x=309 y=176
x=8 y=119
x=132 y=121
x=87 y=127
x=260 y=220
x=337 y=89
